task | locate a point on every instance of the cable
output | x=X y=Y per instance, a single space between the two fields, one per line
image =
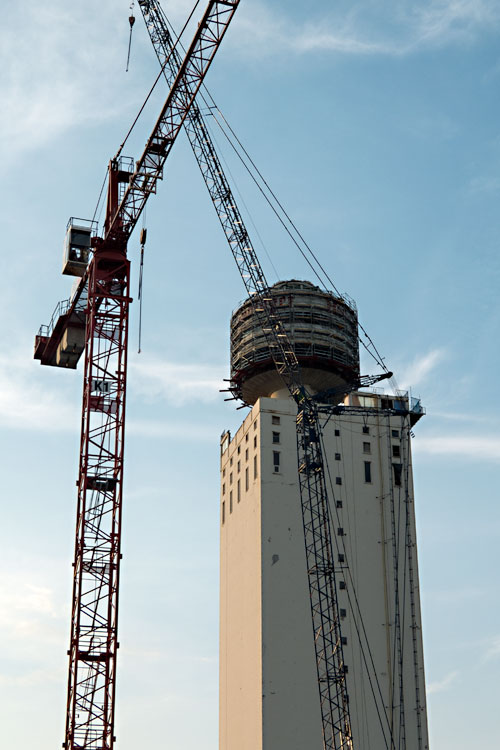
x=352 y=588
x=243 y=202
x=100 y=195
x=120 y=149
x=373 y=352
x=144 y=233
x=131 y=20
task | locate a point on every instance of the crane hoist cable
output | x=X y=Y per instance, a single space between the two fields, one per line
x=373 y=352
x=173 y=50
x=142 y=240
x=131 y=20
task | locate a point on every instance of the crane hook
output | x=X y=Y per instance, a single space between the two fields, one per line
x=142 y=241
x=131 y=20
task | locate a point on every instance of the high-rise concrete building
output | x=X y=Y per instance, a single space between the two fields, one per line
x=269 y=697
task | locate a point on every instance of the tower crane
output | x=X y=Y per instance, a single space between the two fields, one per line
x=95 y=321
x=318 y=538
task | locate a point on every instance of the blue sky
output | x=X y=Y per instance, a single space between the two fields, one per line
x=376 y=122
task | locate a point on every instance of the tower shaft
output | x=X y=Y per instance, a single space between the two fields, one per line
x=268 y=683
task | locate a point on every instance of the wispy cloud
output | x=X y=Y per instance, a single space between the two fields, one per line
x=174 y=429
x=445 y=21
x=177 y=383
x=63 y=72
x=67 y=68
x=478 y=447
x=28 y=606
x=362 y=28
x=49 y=73
x=27 y=402
x=484 y=184
x=466 y=417
x=421 y=367
x=441 y=686
x=493 y=649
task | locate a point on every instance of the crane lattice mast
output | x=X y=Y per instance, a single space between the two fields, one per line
x=318 y=536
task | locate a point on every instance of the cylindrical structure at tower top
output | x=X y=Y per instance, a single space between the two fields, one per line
x=322 y=328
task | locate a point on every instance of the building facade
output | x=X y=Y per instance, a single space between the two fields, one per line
x=268 y=686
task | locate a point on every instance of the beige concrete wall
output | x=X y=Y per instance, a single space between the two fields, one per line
x=240 y=716
x=266 y=637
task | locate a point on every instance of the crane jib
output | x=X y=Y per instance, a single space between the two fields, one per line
x=94 y=643
x=331 y=671
x=149 y=167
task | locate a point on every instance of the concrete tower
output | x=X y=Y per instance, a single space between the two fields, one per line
x=268 y=686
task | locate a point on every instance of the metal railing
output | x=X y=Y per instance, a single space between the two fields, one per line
x=61 y=308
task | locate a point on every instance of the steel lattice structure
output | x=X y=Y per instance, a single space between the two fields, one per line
x=314 y=500
x=188 y=79
x=93 y=645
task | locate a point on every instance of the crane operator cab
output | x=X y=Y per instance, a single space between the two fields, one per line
x=77 y=247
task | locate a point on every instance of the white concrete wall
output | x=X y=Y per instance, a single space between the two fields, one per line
x=269 y=696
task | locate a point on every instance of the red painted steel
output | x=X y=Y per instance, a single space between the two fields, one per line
x=93 y=647
x=94 y=621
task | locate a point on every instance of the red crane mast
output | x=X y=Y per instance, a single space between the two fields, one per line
x=95 y=321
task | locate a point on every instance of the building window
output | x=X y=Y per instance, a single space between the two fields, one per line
x=343 y=639
x=340 y=531
x=397 y=468
x=255 y=425
x=230 y=462
x=341 y=558
x=338 y=480
x=223 y=473
x=238 y=491
x=231 y=478
x=368 y=471
x=246 y=455
x=275 y=420
x=395 y=433
x=339 y=503
x=255 y=442
x=223 y=512
x=276 y=437
x=223 y=489
x=342 y=585
x=396 y=452
x=255 y=467
x=246 y=479
x=239 y=449
x=231 y=501
x=343 y=612
x=276 y=460
x=387 y=403
x=367 y=448
x=337 y=433
x=337 y=456
x=366 y=430
x=246 y=438
x=239 y=466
